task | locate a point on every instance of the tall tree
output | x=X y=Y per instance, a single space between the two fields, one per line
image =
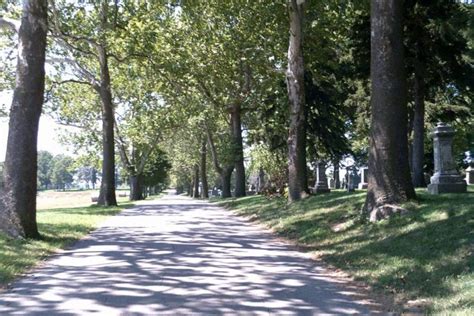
x=45 y=165
x=297 y=174
x=223 y=168
x=62 y=171
x=389 y=176
x=203 y=169
x=82 y=31
x=434 y=36
x=18 y=209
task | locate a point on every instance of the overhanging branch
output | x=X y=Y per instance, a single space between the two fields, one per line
x=11 y=24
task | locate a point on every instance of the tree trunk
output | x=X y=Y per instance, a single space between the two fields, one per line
x=225 y=173
x=136 y=187
x=235 y=117
x=261 y=180
x=18 y=209
x=389 y=172
x=204 y=187
x=337 y=181
x=418 y=149
x=190 y=188
x=196 y=181
x=107 y=187
x=226 y=176
x=297 y=174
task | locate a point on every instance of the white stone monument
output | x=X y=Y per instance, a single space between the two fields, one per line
x=364 y=172
x=470 y=168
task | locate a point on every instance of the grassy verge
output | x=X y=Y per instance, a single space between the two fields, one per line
x=426 y=256
x=59 y=228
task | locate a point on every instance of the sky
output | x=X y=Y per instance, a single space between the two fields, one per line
x=47 y=136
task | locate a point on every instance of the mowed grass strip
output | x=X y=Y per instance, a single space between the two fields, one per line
x=59 y=228
x=424 y=258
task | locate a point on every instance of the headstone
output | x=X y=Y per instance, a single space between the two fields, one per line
x=470 y=168
x=321 y=185
x=350 y=180
x=446 y=178
x=332 y=184
x=355 y=178
x=364 y=172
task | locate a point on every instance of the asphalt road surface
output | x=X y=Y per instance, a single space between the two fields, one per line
x=180 y=256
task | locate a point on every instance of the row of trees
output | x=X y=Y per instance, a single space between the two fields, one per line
x=57 y=172
x=337 y=109
x=209 y=83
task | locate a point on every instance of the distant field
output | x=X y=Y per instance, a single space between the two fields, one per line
x=51 y=199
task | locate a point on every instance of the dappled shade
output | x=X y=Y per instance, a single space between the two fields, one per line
x=189 y=257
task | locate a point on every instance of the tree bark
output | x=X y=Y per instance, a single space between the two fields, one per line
x=261 y=180
x=389 y=176
x=196 y=181
x=18 y=212
x=235 y=116
x=418 y=147
x=136 y=187
x=297 y=173
x=203 y=168
x=337 y=181
x=107 y=187
x=190 y=188
x=226 y=176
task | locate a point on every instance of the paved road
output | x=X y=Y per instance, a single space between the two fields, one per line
x=182 y=257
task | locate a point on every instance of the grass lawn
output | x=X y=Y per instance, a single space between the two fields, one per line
x=426 y=256
x=59 y=228
x=62 y=199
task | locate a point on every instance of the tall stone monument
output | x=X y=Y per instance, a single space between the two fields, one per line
x=364 y=172
x=321 y=185
x=446 y=178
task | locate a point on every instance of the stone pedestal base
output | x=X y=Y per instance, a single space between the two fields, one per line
x=321 y=188
x=447 y=183
x=363 y=186
x=470 y=175
x=438 y=188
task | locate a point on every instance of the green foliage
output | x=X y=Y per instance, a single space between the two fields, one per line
x=156 y=170
x=272 y=163
x=87 y=174
x=45 y=169
x=424 y=255
x=61 y=171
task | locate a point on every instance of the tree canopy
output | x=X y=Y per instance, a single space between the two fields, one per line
x=213 y=94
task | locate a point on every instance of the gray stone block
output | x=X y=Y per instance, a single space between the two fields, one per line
x=438 y=188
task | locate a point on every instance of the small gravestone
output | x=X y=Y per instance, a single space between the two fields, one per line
x=364 y=172
x=350 y=180
x=321 y=185
x=446 y=179
x=332 y=184
x=470 y=169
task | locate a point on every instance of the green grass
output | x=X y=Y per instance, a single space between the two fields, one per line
x=425 y=256
x=59 y=228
